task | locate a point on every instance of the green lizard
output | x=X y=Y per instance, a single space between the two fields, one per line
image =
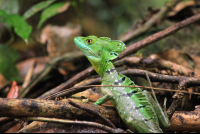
x=136 y=108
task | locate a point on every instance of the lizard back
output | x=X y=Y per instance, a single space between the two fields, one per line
x=132 y=105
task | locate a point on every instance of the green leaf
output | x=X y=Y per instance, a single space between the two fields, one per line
x=8 y=56
x=21 y=27
x=53 y=10
x=36 y=8
x=4 y=17
x=10 y=6
x=10 y=53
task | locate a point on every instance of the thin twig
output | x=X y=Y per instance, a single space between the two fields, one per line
x=77 y=78
x=84 y=123
x=155 y=77
x=29 y=75
x=73 y=90
x=89 y=110
x=173 y=106
x=178 y=96
x=149 y=23
x=156 y=63
x=48 y=68
x=191 y=81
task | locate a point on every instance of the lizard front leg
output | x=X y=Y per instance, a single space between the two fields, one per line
x=107 y=96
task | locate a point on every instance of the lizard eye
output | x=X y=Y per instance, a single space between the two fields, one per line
x=89 y=41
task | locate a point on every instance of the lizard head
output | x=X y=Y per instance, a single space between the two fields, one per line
x=99 y=50
x=96 y=48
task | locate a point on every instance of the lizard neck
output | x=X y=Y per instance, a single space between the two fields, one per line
x=109 y=74
x=105 y=69
x=101 y=66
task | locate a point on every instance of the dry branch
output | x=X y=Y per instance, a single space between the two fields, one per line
x=188 y=81
x=77 y=78
x=74 y=90
x=7 y=126
x=158 y=36
x=158 y=63
x=183 y=121
x=50 y=108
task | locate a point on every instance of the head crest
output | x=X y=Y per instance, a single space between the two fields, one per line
x=113 y=49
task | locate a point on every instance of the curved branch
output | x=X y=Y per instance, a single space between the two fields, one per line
x=89 y=110
x=158 y=36
x=77 y=78
x=84 y=123
x=158 y=63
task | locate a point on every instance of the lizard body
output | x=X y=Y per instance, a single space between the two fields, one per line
x=135 y=107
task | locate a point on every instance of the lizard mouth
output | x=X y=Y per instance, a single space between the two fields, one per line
x=84 y=48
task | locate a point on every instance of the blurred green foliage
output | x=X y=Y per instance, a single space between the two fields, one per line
x=9 y=15
x=21 y=27
x=51 y=11
x=36 y=8
x=124 y=13
x=97 y=17
x=8 y=56
x=19 y=23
